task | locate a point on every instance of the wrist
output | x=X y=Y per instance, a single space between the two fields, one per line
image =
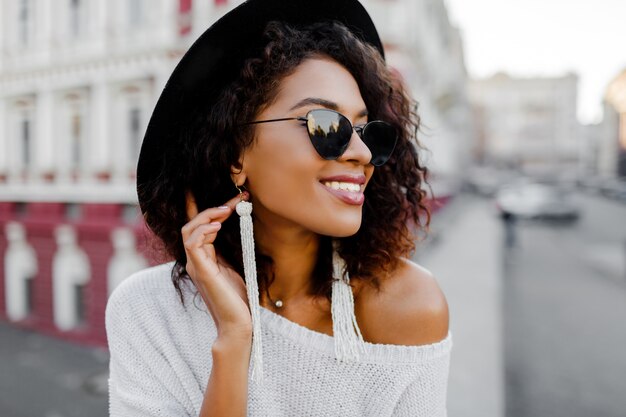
x=235 y=333
x=232 y=344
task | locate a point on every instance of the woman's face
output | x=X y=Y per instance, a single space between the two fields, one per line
x=290 y=184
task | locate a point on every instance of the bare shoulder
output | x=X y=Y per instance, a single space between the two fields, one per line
x=410 y=309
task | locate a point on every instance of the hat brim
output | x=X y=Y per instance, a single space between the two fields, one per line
x=215 y=59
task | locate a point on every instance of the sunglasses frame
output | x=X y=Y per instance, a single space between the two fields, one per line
x=359 y=129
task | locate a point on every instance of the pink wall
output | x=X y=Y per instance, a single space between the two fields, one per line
x=93 y=228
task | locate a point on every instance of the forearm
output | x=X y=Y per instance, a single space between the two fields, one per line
x=227 y=390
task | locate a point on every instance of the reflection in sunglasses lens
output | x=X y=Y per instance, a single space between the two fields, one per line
x=330 y=133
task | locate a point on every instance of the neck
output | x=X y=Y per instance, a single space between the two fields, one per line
x=294 y=254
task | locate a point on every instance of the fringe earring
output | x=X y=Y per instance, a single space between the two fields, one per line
x=244 y=210
x=349 y=343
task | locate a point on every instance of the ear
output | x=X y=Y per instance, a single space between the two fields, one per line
x=238 y=173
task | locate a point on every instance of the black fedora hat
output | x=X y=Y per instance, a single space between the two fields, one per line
x=215 y=60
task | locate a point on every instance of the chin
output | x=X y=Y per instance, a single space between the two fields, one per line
x=340 y=229
x=347 y=234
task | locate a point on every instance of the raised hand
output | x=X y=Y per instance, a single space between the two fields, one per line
x=222 y=289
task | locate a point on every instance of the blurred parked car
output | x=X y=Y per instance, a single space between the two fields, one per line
x=536 y=201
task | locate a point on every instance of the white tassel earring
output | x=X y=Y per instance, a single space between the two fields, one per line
x=349 y=343
x=244 y=210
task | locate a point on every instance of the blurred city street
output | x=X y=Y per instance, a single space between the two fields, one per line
x=539 y=327
x=565 y=315
x=44 y=377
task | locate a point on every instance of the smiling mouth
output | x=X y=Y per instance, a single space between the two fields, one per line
x=342 y=186
x=347 y=192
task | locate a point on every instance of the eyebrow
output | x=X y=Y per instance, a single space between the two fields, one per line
x=324 y=103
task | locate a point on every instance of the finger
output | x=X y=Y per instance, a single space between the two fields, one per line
x=192 y=208
x=202 y=235
x=219 y=214
x=199 y=247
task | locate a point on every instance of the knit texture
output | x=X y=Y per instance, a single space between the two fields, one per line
x=160 y=362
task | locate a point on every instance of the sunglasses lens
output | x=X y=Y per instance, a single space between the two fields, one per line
x=330 y=133
x=380 y=138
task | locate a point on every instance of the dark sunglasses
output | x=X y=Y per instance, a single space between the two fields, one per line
x=330 y=133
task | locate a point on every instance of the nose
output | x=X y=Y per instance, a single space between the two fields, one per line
x=357 y=150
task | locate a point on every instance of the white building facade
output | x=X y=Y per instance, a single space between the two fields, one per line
x=601 y=158
x=612 y=146
x=78 y=81
x=528 y=123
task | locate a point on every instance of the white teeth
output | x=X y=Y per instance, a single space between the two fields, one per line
x=344 y=186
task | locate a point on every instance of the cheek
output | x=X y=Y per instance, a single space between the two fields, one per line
x=280 y=170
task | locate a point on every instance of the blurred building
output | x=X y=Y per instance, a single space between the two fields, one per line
x=528 y=123
x=427 y=51
x=589 y=155
x=612 y=156
x=600 y=156
x=78 y=82
x=604 y=155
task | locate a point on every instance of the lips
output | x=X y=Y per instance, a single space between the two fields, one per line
x=347 y=188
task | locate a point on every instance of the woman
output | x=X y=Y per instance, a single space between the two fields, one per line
x=287 y=107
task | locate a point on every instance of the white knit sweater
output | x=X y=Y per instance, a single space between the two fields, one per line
x=161 y=362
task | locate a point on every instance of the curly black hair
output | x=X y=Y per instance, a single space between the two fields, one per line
x=394 y=209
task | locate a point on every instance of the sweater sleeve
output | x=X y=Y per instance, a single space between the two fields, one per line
x=142 y=383
x=426 y=396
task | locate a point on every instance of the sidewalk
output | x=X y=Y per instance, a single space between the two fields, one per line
x=465 y=258
x=41 y=376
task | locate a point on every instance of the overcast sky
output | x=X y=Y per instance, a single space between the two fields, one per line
x=546 y=37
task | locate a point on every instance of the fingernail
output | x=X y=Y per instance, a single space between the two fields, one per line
x=223 y=207
x=215 y=224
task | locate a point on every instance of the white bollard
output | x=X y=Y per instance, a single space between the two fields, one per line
x=70 y=270
x=126 y=260
x=20 y=266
